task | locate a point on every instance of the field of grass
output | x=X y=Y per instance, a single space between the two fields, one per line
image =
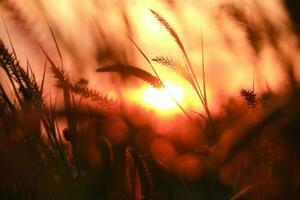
x=139 y=133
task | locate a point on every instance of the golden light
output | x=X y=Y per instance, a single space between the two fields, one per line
x=163 y=99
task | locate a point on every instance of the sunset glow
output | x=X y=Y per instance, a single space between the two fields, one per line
x=162 y=99
x=140 y=99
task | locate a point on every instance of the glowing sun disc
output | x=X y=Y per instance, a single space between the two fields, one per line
x=161 y=99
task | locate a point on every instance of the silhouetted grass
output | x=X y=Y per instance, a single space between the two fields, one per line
x=108 y=152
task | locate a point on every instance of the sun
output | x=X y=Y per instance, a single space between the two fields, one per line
x=163 y=99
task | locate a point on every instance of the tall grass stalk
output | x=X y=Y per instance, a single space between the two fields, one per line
x=194 y=82
x=157 y=75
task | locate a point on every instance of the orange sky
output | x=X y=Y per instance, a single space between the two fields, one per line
x=227 y=70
